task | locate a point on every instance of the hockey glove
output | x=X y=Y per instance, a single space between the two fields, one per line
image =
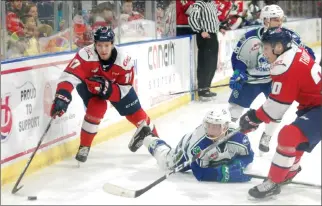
x=99 y=86
x=249 y=122
x=61 y=102
x=237 y=80
x=233 y=172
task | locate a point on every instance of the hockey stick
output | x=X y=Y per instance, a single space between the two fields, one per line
x=216 y=86
x=16 y=188
x=120 y=191
x=292 y=182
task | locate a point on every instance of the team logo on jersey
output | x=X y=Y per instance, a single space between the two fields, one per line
x=245 y=140
x=196 y=150
x=214 y=156
x=6 y=118
x=263 y=64
x=126 y=61
x=95 y=70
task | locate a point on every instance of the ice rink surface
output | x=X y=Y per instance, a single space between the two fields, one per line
x=111 y=161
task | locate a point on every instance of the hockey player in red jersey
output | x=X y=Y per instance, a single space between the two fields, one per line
x=296 y=77
x=100 y=73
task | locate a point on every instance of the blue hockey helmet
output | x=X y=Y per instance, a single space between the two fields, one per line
x=104 y=34
x=277 y=34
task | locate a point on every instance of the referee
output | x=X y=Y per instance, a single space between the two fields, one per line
x=204 y=22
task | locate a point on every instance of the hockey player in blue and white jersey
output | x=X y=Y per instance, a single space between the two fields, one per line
x=249 y=64
x=224 y=163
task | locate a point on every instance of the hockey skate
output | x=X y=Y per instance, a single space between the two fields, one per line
x=82 y=153
x=137 y=140
x=264 y=190
x=264 y=143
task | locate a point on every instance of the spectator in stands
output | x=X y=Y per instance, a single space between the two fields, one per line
x=170 y=19
x=13 y=18
x=233 y=21
x=32 y=10
x=223 y=7
x=82 y=32
x=127 y=12
x=31 y=36
x=183 y=9
x=104 y=16
x=159 y=21
x=253 y=15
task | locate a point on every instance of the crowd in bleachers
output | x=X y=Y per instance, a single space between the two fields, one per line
x=36 y=27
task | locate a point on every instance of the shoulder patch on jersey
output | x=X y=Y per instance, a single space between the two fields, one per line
x=284 y=61
x=88 y=53
x=196 y=150
x=124 y=60
x=245 y=140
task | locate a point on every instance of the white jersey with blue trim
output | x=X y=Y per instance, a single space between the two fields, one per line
x=193 y=143
x=248 y=55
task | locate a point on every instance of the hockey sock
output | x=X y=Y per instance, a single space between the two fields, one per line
x=286 y=155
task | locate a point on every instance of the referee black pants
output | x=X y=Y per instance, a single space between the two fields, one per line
x=207 y=59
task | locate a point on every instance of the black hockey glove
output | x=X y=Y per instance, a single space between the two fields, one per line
x=99 y=86
x=61 y=102
x=249 y=122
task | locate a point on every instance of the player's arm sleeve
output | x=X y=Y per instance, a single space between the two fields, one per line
x=243 y=156
x=123 y=84
x=284 y=91
x=73 y=75
x=216 y=174
x=241 y=146
x=194 y=18
x=239 y=56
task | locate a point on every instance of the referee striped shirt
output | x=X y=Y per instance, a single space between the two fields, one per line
x=203 y=17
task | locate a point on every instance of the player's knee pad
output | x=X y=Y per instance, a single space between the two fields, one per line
x=290 y=136
x=96 y=108
x=235 y=111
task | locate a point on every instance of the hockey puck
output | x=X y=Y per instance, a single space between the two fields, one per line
x=32 y=197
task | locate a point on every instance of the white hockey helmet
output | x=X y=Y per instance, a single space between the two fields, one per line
x=271 y=11
x=216 y=122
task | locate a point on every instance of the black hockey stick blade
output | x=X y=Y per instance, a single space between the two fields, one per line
x=123 y=192
x=291 y=182
x=16 y=189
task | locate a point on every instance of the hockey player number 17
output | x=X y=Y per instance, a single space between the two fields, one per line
x=75 y=63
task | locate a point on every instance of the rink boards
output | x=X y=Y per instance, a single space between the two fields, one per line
x=161 y=67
